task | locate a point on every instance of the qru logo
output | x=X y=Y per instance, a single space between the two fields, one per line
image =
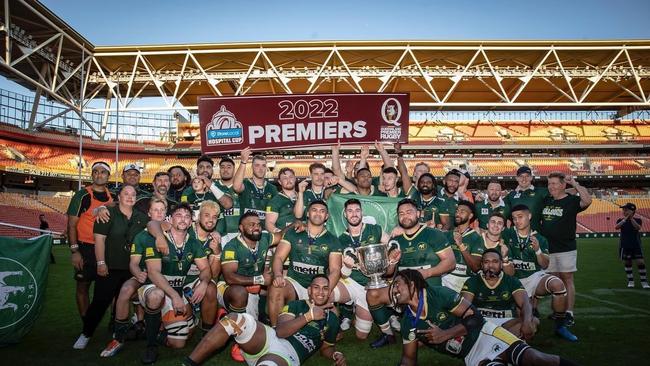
x=391 y=111
x=18 y=292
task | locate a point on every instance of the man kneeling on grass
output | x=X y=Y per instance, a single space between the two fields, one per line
x=304 y=326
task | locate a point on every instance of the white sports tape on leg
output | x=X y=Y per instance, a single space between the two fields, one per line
x=242 y=327
x=363 y=326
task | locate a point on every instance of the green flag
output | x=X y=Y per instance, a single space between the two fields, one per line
x=23 y=279
x=376 y=210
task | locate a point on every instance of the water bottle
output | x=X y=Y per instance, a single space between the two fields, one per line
x=189 y=292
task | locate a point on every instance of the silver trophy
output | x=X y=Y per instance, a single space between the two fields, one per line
x=372 y=261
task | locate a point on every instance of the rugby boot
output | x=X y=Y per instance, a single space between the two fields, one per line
x=566 y=334
x=383 y=340
x=235 y=353
x=112 y=348
x=150 y=355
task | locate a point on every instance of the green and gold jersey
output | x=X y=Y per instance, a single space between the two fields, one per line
x=228 y=219
x=311 y=337
x=400 y=193
x=176 y=264
x=370 y=234
x=195 y=199
x=194 y=272
x=254 y=198
x=439 y=303
x=494 y=301
x=309 y=256
x=521 y=252
x=282 y=205
x=447 y=206
x=141 y=242
x=533 y=198
x=484 y=209
x=559 y=222
x=475 y=245
x=429 y=208
x=250 y=262
x=421 y=250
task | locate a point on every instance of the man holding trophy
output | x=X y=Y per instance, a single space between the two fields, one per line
x=421 y=248
x=351 y=287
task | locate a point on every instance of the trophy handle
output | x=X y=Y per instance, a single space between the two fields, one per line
x=392 y=245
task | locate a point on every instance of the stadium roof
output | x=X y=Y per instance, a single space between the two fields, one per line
x=598 y=74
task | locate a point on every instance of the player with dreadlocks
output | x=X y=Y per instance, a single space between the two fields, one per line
x=441 y=319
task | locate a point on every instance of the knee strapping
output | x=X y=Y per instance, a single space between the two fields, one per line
x=243 y=326
x=517 y=352
x=362 y=325
x=554 y=293
x=336 y=294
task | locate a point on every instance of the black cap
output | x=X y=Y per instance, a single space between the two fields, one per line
x=629 y=206
x=524 y=169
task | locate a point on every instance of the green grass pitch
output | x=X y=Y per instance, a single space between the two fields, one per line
x=612 y=322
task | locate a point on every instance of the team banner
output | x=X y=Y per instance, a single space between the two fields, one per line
x=23 y=278
x=287 y=121
x=376 y=210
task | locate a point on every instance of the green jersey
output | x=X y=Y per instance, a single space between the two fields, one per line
x=309 y=256
x=195 y=199
x=311 y=337
x=141 y=242
x=282 y=205
x=447 y=205
x=176 y=264
x=439 y=302
x=484 y=209
x=494 y=301
x=250 y=261
x=370 y=234
x=254 y=198
x=429 y=208
x=194 y=272
x=422 y=249
x=400 y=193
x=559 y=222
x=521 y=252
x=475 y=245
x=533 y=198
x=229 y=219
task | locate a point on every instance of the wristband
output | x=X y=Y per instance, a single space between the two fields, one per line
x=218 y=193
x=100 y=263
x=335 y=353
x=74 y=246
x=258 y=280
x=346 y=271
x=538 y=251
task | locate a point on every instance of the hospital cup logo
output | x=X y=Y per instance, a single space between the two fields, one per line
x=391 y=111
x=224 y=129
x=373 y=262
x=18 y=292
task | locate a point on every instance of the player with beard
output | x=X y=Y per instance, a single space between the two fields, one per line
x=362 y=184
x=444 y=321
x=421 y=248
x=131 y=174
x=180 y=178
x=492 y=203
x=163 y=299
x=312 y=251
x=161 y=184
x=467 y=244
x=527 y=194
x=279 y=211
x=351 y=287
x=529 y=255
x=448 y=198
x=228 y=224
x=128 y=292
x=419 y=169
x=304 y=327
x=205 y=170
x=425 y=198
x=500 y=297
x=255 y=193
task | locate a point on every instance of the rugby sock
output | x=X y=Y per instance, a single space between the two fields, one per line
x=642 y=273
x=630 y=274
x=346 y=311
x=381 y=317
x=121 y=328
x=205 y=327
x=560 y=319
x=232 y=309
x=188 y=362
x=261 y=308
x=152 y=323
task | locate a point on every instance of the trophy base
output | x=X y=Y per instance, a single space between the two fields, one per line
x=376 y=283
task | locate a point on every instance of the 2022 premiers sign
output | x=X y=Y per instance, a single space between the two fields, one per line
x=287 y=121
